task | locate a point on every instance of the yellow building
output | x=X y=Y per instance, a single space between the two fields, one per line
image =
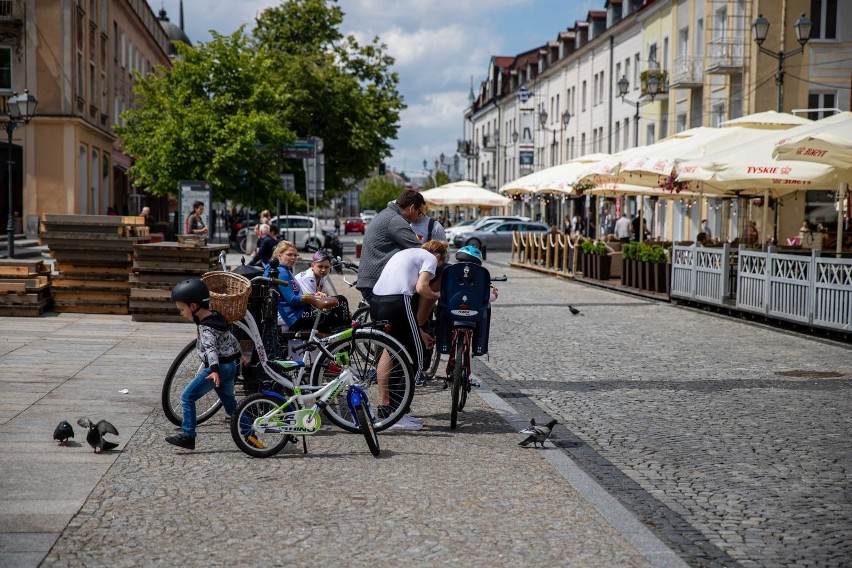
x=79 y=59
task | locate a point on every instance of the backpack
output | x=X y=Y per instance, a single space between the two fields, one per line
x=431 y=227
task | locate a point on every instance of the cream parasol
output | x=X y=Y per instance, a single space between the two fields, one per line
x=464 y=193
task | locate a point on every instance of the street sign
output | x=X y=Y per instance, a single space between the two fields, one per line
x=288 y=181
x=302 y=149
x=526 y=158
x=524 y=94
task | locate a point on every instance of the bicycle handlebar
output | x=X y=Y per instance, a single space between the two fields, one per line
x=272 y=280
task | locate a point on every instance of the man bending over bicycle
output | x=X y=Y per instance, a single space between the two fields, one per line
x=408 y=272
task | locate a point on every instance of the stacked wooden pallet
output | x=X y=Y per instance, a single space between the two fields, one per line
x=24 y=287
x=157 y=267
x=94 y=257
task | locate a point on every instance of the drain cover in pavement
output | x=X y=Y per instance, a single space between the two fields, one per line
x=810 y=374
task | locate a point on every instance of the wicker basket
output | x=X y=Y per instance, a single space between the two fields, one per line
x=229 y=294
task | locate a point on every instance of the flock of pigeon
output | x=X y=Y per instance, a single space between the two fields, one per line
x=94 y=435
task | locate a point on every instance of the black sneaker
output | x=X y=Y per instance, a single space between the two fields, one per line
x=383 y=412
x=183 y=440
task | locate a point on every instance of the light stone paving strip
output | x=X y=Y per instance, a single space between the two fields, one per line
x=436 y=497
x=685 y=417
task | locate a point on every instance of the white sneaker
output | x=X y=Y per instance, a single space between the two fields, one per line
x=406 y=423
x=413 y=418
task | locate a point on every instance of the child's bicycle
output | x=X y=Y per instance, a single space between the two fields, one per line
x=463 y=325
x=365 y=346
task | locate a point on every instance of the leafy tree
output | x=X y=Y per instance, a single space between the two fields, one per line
x=377 y=192
x=209 y=117
x=346 y=93
x=438 y=180
x=227 y=107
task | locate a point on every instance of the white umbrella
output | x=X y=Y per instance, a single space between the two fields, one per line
x=831 y=145
x=768 y=120
x=464 y=193
x=555 y=179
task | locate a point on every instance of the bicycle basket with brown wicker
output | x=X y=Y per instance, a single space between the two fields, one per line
x=229 y=294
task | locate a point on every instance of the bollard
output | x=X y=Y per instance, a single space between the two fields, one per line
x=483 y=250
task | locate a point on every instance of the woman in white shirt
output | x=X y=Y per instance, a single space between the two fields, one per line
x=408 y=272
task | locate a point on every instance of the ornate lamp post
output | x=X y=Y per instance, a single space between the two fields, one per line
x=21 y=110
x=759 y=29
x=623 y=87
x=542 y=118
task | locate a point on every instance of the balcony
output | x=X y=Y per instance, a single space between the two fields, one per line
x=726 y=56
x=662 y=82
x=489 y=143
x=688 y=73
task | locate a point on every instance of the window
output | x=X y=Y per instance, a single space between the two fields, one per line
x=821 y=101
x=5 y=68
x=617 y=137
x=680 y=122
x=583 y=97
x=595 y=92
x=650 y=134
x=652 y=55
x=626 y=132
x=636 y=64
x=717 y=115
x=824 y=19
x=116 y=48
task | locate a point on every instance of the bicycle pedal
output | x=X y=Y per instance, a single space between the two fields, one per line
x=255 y=442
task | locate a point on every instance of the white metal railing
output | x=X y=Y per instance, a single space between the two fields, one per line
x=701 y=274
x=725 y=52
x=811 y=290
x=688 y=70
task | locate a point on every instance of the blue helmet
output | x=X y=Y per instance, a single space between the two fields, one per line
x=469 y=253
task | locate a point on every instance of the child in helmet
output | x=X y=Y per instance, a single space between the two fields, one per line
x=217 y=348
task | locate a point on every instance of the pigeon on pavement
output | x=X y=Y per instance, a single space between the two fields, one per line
x=95 y=436
x=574 y=311
x=62 y=432
x=537 y=434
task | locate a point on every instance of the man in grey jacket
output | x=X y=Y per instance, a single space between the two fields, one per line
x=389 y=232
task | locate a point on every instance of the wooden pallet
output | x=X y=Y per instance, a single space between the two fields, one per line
x=24 y=287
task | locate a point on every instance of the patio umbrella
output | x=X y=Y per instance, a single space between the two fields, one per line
x=464 y=193
x=830 y=145
x=768 y=120
x=555 y=179
x=749 y=169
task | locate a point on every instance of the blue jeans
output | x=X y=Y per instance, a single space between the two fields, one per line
x=200 y=386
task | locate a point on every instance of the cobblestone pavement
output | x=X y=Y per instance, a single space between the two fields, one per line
x=680 y=415
x=719 y=434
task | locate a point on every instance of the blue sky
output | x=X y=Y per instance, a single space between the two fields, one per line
x=438 y=46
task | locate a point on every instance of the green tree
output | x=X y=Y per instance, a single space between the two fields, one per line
x=346 y=93
x=440 y=178
x=377 y=192
x=227 y=107
x=209 y=117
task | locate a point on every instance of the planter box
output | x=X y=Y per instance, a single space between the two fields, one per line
x=603 y=266
x=662 y=275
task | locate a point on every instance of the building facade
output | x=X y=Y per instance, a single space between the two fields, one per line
x=80 y=58
x=708 y=70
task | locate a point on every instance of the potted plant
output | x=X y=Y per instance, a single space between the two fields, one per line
x=657 y=268
x=628 y=253
x=601 y=261
x=586 y=248
x=662 y=77
x=643 y=255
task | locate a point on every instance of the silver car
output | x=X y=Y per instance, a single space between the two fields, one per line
x=498 y=236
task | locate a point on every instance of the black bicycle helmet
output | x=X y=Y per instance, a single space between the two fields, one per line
x=469 y=253
x=192 y=291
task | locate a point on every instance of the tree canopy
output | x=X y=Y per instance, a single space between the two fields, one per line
x=377 y=192
x=227 y=107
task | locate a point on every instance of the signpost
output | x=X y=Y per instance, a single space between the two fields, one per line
x=190 y=191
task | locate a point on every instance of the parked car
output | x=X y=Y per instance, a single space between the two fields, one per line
x=304 y=231
x=498 y=236
x=353 y=225
x=367 y=215
x=479 y=224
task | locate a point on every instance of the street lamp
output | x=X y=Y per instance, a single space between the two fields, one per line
x=21 y=109
x=623 y=87
x=759 y=29
x=542 y=118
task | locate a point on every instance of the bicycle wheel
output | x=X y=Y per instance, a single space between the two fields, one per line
x=459 y=373
x=361 y=315
x=366 y=351
x=367 y=429
x=251 y=442
x=186 y=367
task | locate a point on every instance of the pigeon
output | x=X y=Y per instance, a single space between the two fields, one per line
x=63 y=432
x=95 y=437
x=537 y=434
x=574 y=311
